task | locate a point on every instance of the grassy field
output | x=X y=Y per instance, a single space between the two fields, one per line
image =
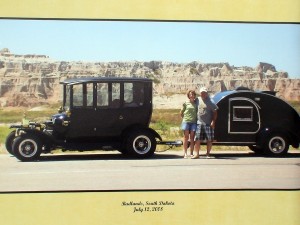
x=165 y=121
x=15 y=115
x=296 y=105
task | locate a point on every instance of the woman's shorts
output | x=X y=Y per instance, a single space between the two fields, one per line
x=189 y=126
x=204 y=132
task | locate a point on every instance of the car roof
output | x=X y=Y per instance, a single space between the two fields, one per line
x=79 y=80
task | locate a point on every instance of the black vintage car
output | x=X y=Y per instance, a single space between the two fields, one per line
x=97 y=113
x=257 y=119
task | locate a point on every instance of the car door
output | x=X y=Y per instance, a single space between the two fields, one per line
x=82 y=111
x=107 y=109
x=137 y=107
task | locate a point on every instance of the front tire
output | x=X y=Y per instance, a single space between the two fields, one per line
x=27 y=147
x=9 y=142
x=141 y=144
x=276 y=145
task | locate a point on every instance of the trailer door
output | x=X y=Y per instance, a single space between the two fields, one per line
x=244 y=116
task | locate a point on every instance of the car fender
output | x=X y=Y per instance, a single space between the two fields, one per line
x=156 y=135
x=138 y=127
x=46 y=139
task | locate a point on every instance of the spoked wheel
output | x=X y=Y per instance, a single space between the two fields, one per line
x=27 y=147
x=276 y=145
x=141 y=144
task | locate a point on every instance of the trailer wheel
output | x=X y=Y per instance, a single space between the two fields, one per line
x=141 y=144
x=276 y=145
x=9 y=142
x=27 y=147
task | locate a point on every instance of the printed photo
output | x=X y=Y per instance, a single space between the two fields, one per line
x=97 y=105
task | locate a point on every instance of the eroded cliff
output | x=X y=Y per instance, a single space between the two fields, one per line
x=30 y=80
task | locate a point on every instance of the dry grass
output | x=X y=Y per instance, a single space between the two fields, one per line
x=165 y=121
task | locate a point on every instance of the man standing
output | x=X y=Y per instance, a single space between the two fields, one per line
x=207 y=116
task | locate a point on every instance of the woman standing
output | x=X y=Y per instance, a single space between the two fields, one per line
x=188 y=114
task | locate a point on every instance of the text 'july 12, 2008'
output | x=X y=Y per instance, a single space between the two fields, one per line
x=148 y=206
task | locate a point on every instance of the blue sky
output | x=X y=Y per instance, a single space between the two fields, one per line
x=239 y=44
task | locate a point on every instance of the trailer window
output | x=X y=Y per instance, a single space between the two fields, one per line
x=242 y=113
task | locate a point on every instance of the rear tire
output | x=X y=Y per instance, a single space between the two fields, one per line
x=276 y=145
x=27 y=147
x=141 y=144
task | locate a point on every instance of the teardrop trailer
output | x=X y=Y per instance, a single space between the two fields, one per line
x=97 y=114
x=257 y=119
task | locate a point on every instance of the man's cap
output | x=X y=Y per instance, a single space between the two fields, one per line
x=203 y=89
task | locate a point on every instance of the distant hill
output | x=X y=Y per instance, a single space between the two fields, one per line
x=31 y=79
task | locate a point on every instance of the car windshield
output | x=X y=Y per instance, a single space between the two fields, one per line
x=67 y=97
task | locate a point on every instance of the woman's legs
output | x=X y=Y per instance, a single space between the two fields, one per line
x=186 y=134
x=197 y=142
x=192 y=141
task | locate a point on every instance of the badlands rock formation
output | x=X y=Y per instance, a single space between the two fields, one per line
x=30 y=80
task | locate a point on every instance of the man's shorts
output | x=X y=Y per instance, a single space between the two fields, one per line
x=204 y=132
x=189 y=126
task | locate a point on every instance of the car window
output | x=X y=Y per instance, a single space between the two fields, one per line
x=109 y=94
x=77 y=95
x=128 y=93
x=116 y=91
x=89 y=94
x=133 y=94
x=102 y=94
x=67 y=97
x=139 y=93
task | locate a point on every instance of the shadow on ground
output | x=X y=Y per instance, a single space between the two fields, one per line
x=157 y=156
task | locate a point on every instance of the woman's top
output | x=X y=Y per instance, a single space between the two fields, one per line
x=189 y=110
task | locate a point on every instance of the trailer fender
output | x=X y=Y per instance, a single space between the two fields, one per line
x=261 y=136
x=291 y=137
x=294 y=140
x=266 y=132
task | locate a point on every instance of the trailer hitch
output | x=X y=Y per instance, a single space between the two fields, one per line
x=170 y=143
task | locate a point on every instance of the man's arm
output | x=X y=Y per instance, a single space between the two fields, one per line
x=213 y=122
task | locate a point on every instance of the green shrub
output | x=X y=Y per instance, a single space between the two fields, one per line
x=4 y=131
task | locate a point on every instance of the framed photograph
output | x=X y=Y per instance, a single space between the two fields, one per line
x=52 y=52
